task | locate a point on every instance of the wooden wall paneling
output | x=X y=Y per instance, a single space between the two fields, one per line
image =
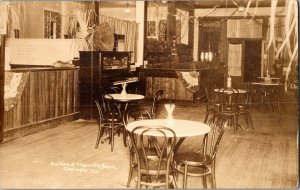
x=178 y=90
x=166 y=86
x=35 y=97
x=46 y=94
x=64 y=92
x=52 y=91
x=56 y=94
x=42 y=106
x=31 y=98
x=23 y=102
x=8 y=119
x=76 y=90
x=2 y=78
x=19 y=116
x=70 y=94
x=173 y=81
x=150 y=91
x=151 y=86
x=148 y=81
x=59 y=99
x=38 y=100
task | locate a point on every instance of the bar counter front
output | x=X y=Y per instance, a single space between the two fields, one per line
x=37 y=98
x=183 y=81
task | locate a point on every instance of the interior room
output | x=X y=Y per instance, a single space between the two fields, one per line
x=149 y=94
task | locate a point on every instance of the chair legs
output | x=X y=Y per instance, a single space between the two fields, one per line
x=112 y=136
x=98 y=138
x=211 y=175
x=185 y=176
x=130 y=170
x=124 y=136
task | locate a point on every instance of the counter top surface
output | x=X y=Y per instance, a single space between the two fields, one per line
x=41 y=69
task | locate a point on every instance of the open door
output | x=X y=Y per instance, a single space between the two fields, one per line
x=252 y=60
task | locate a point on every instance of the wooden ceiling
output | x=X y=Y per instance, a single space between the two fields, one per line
x=225 y=3
x=196 y=4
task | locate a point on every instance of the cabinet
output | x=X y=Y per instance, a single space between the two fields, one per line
x=98 y=70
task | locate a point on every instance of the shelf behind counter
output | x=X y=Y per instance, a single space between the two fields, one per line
x=166 y=79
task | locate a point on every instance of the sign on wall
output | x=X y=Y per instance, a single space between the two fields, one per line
x=52 y=24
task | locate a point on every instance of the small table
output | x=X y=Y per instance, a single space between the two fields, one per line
x=266 y=83
x=240 y=91
x=127 y=97
x=182 y=128
x=125 y=82
x=268 y=89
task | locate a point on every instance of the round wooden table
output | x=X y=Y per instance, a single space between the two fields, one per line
x=236 y=90
x=182 y=128
x=127 y=97
x=268 y=90
x=266 y=83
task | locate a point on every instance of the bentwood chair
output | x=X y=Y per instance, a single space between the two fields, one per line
x=133 y=115
x=153 y=170
x=212 y=105
x=157 y=97
x=110 y=119
x=201 y=164
x=228 y=106
x=244 y=105
x=155 y=100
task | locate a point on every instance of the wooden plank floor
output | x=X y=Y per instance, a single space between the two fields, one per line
x=65 y=157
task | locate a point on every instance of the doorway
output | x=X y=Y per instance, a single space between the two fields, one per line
x=252 y=60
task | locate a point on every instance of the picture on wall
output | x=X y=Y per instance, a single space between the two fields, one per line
x=162 y=33
x=178 y=31
x=151 y=28
x=52 y=24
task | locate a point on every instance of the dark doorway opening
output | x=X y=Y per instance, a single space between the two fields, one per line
x=252 y=60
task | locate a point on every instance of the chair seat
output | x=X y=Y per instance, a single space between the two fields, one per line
x=153 y=165
x=109 y=124
x=193 y=159
x=242 y=108
x=150 y=152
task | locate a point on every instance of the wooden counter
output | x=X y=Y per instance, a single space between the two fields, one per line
x=167 y=80
x=50 y=95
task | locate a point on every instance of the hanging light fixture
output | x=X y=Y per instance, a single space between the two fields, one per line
x=127 y=10
x=202 y=54
x=210 y=53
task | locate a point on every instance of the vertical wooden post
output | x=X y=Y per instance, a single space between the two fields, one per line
x=96 y=5
x=171 y=22
x=2 y=60
x=191 y=29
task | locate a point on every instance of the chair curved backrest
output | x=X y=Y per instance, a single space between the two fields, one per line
x=110 y=106
x=135 y=114
x=212 y=95
x=100 y=112
x=158 y=96
x=216 y=136
x=228 y=98
x=153 y=166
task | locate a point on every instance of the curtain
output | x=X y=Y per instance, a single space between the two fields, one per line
x=235 y=60
x=123 y=27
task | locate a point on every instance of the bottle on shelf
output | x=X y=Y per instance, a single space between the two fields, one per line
x=229 y=83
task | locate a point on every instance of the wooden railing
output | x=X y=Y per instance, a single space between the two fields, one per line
x=49 y=94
